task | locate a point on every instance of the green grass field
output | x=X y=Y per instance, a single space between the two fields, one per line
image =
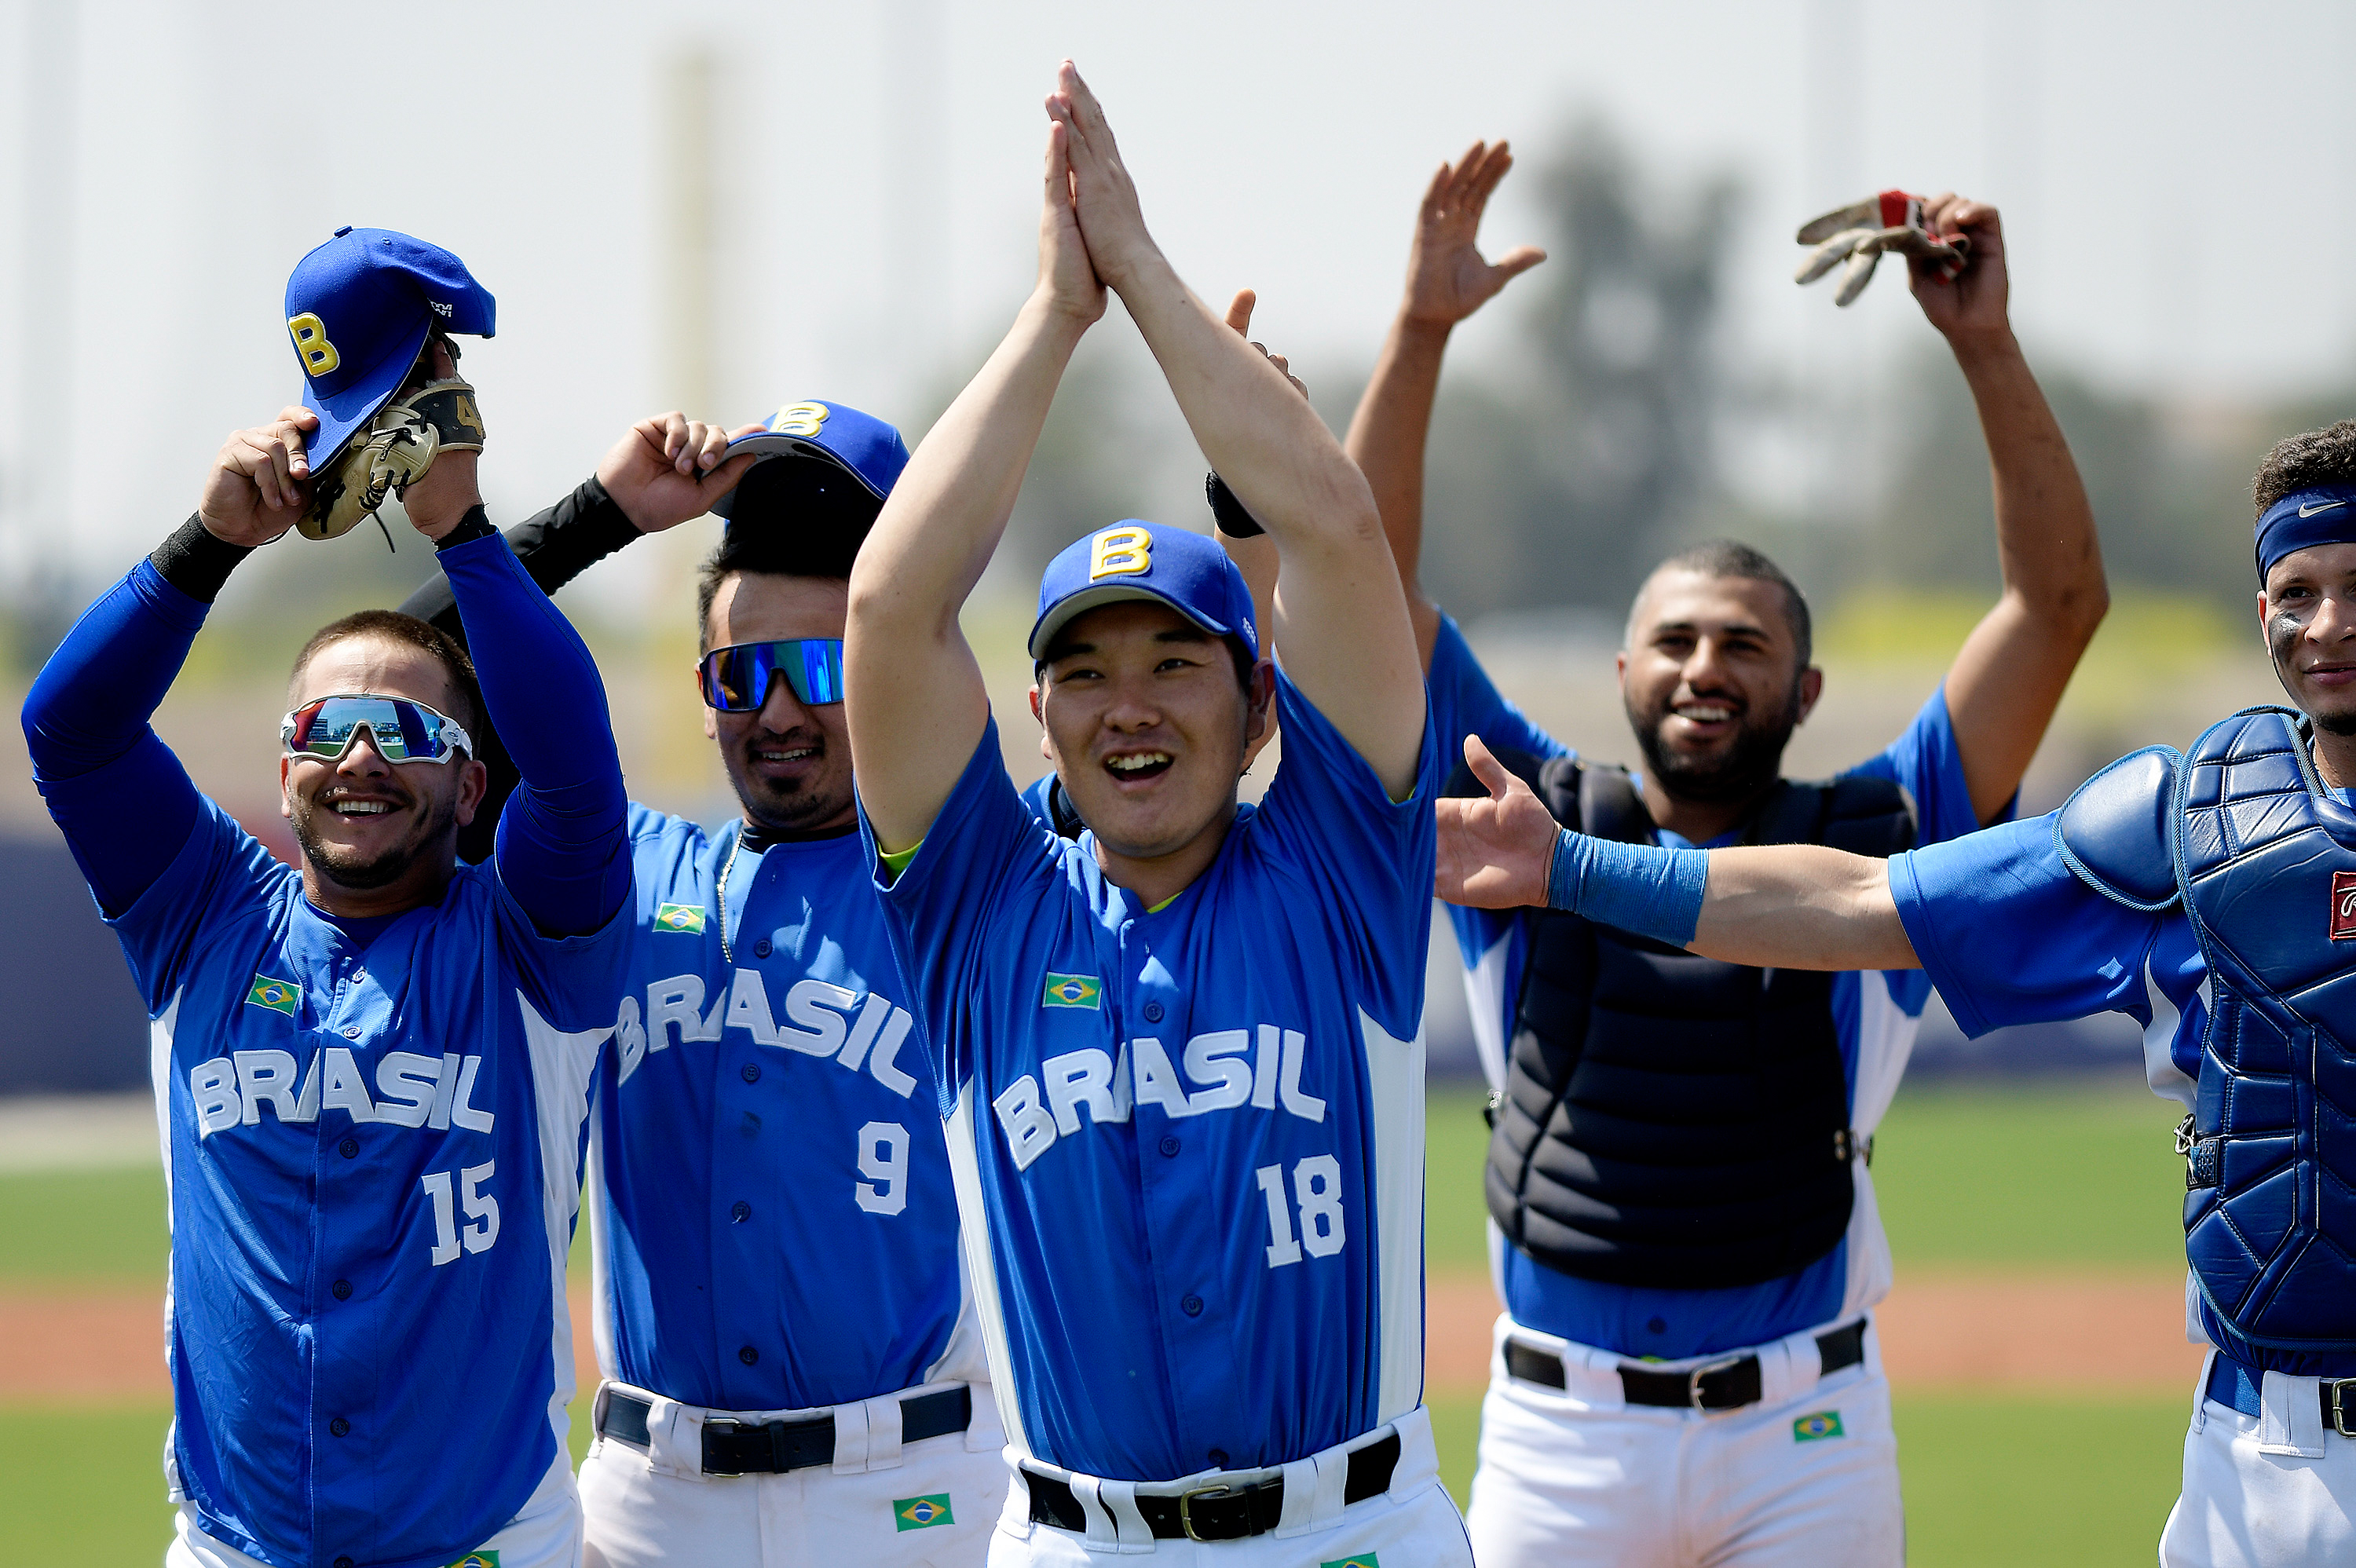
x=2002 y=1179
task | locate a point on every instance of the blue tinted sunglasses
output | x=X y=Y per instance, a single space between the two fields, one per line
x=736 y=678
x=402 y=730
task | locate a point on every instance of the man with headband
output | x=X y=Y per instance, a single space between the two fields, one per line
x=791 y=1375
x=1182 y=1055
x=2211 y=897
x=372 y=1068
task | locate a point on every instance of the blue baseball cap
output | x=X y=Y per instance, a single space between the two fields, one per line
x=359 y=309
x=2323 y=514
x=836 y=435
x=1136 y=559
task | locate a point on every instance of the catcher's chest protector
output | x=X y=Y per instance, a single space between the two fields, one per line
x=1669 y=1120
x=2266 y=864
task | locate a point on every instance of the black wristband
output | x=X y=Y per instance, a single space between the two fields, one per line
x=196 y=563
x=1228 y=512
x=475 y=525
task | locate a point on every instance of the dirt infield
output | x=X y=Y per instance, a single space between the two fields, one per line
x=2109 y=1333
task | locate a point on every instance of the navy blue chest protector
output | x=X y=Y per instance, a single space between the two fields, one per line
x=2263 y=861
x=1667 y=1120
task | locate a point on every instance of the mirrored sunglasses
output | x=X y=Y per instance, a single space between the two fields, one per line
x=402 y=730
x=735 y=679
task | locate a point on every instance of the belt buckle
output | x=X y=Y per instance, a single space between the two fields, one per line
x=1693 y=1379
x=724 y=1424
x=2338 y=1389
x=1186 y=1517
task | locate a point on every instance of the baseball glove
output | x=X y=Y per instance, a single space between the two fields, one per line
x=399 y=444
x=1860 y=232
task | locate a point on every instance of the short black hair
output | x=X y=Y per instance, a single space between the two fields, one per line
x=792 y=517
x=392 y=627
x=2302 y=462
x=1732 y=558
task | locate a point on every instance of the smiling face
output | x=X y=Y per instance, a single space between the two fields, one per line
x=1147 y=726
x=790 y=764
x=1712 y=682
x=376 y=836
x=2307 y=611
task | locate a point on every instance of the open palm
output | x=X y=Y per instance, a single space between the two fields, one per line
x=1447 y=277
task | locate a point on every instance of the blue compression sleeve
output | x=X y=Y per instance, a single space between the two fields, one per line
x=1639 y=888
x=563 y=850
x=122 y=800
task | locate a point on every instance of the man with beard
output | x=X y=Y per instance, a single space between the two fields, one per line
x=371 y=1068
x=1683 y=1230
x=2211 y=897
x=790 y=1372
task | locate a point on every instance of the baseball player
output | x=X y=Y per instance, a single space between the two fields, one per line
x=372 y=1068
x=2211 y=897
x=1184 y=1054
x=1684 y=1232
x=791 y=1375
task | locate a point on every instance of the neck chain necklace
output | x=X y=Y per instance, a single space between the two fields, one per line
x=725 y=955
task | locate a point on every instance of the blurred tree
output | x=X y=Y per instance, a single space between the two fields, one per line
x=1567 y=482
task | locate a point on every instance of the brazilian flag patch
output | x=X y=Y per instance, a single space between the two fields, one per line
x=684 y=918
x=478 y=1560
x=1363 y=1560
x=278 y=995
x=919 y=1513
x=1073 y=991
x=1823 y=1424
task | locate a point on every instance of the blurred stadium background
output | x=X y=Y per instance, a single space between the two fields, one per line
x=726 y=206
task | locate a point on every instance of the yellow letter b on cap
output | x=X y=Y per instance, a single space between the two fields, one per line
x=310 y=334
x=1120 y=552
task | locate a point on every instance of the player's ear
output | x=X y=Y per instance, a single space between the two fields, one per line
x=285 y=789
x=1811 y=687
x=474 y=783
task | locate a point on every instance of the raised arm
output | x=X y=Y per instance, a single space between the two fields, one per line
x=1447 y=279
x=1340 y=620
x=1786 y=906
x=2007 y=681
x=665 y=470
x=97 y=761
x=914 y=701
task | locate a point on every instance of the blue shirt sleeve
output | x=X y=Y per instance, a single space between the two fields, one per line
x=563 y=854
x=941 y=908
x=1928 y=765
x=1369 y=858
x=1465 y=701
x=96 y=761
x=2010 y=937
x=220 y=871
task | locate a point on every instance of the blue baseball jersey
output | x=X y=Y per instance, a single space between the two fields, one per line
x=373 y=1150
x=1188 y=1141
x=2010 y=936
x=1876 y=1015
x=772 y=1219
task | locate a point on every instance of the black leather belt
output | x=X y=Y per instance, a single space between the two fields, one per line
x=772 y=1448
x=1726 y=1384
x=1215 y=1512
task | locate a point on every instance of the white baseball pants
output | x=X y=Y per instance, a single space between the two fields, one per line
x=1413 y=1525
x=869 y=1511
x=2263 y=1491
x=1808 y=1478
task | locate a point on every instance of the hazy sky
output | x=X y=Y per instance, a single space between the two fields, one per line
x=2175 y=175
